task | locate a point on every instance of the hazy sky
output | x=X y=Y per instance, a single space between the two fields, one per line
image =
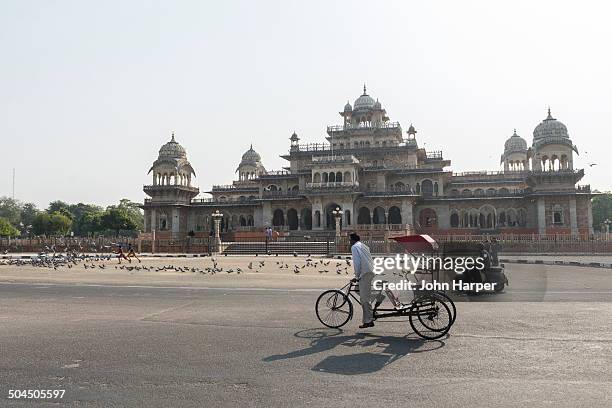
x=90 y=90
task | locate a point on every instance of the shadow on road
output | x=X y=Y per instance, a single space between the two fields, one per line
x=389 y=349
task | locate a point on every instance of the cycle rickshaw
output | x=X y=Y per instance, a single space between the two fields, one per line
x=431 y=313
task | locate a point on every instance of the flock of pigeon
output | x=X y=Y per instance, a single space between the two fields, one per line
x=101 y=262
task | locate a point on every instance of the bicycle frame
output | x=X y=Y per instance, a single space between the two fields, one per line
x=424 y=309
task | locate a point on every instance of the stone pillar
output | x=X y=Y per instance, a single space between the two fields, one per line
x=381 y=183
x=315 y=208
x=176 y=224
x=349 y=207
x=267 y=214
x=299 y=217
x=573 y=217
x=541 y=216
x=590 y=215
x=153 y=219
x=407 y=217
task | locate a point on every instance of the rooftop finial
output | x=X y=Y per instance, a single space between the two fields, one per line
x=172 y=137
x=514 y=132
x=549 y=115
x=364 y=89
x=251 y=146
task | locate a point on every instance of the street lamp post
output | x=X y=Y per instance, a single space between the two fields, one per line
x=217 y=216
x=337 y=213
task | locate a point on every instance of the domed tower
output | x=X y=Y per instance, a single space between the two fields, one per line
x=170 y=192
x=516 y=154
x=250 y=166
x=552 y=146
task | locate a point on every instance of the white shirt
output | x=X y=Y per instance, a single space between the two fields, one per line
x=362 y=259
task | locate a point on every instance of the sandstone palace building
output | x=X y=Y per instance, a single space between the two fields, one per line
x=382 y=180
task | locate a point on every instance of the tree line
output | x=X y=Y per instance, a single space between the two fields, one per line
x=62 y=219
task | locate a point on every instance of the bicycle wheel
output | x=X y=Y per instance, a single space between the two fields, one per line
x=334 y=309
x=451 y=305
x=430 y=317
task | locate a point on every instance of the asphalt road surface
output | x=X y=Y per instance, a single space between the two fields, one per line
x=141 y=340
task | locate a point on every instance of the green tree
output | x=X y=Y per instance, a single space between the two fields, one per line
x=41 y=224
x=51 y=224
x=60 y=223
x=10 y=210
x=87 y=218
x=7 y=229
x=117 y=219
x=602 y=210
x=60 y=207
x=126 y=216
x=134 y=211
x=28 y=213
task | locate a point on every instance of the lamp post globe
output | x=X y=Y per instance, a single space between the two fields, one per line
x=337 y=213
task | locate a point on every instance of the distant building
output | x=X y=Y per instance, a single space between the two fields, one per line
x=381 y=179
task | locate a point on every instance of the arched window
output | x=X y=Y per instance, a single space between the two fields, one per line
x=395 y=215
x=307 y=218
x=332 y=177
x=557 y=215
x=278 y=218
x=379 y=215
x=501 y=219
x=427 y=188
x=454 y=220
x=292 y=219
x=363 y=216
x=428 y=218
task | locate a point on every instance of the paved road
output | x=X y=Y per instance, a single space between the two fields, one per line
x=136 y=344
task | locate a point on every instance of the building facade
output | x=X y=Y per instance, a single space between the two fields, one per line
x=382 y=180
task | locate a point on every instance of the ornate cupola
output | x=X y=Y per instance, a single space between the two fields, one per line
x=552 y=147
x=516 y=154
x=172 y=174
x=295 y=142
x=250 y=166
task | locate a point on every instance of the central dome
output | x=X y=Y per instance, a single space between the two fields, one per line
x=251 y=157
x=172 y=149
x=550 y=127
x=365 y=101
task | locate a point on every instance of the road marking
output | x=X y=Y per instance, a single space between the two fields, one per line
x=97 y=285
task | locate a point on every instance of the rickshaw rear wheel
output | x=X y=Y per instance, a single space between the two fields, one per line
x=451 y=305
x=430 y=317
x=334 y=309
